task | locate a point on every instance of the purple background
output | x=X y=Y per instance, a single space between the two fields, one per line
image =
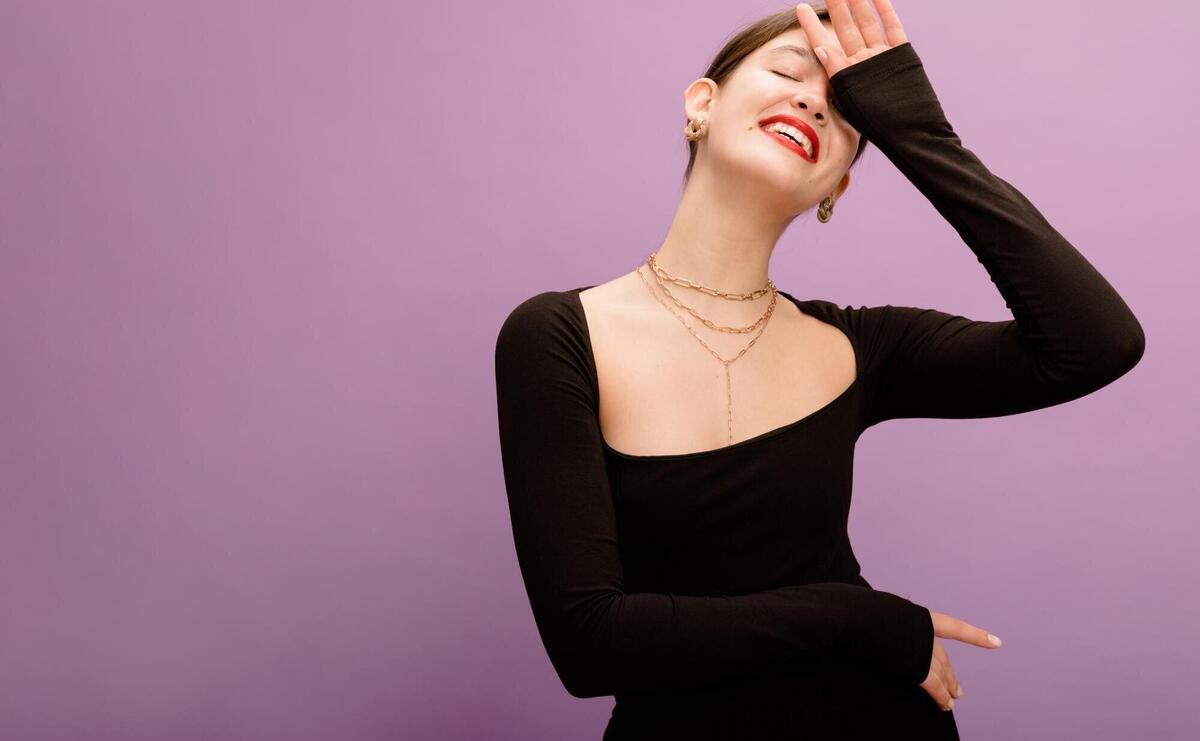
x=253 y=259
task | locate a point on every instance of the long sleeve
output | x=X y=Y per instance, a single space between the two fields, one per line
x=602 y=640
x=1071 y=333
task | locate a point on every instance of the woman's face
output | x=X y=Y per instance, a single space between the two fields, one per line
x=776 y=80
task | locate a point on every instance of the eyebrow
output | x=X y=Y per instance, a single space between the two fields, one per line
x=805 y=54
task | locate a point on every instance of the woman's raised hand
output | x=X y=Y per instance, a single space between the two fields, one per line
x=941 y=683
x=859 y=35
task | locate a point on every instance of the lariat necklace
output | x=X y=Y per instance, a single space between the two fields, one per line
x=663 y=277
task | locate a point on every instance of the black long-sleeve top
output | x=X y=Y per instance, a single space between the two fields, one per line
x=716 y=594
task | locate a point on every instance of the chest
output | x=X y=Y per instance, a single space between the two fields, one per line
x=662 y=391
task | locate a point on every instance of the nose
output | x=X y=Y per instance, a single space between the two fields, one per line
x=814 y=104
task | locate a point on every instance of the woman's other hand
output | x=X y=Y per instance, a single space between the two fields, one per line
x=858 y=34
x=941 y=683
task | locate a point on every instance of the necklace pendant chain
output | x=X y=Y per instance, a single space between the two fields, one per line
x=760 y=326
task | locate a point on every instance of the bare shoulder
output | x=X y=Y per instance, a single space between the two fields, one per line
x=617 y=301
x=615 y=292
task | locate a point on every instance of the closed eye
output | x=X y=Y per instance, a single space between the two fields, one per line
x=793 y=79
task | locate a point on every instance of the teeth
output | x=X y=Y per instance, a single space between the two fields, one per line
x=794 y=133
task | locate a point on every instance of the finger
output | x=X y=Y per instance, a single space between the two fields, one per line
x=951 y=677
x=891 y=23
x=813 y=29
x=935 y=686
x=870 y=29
x=952 y=682
x=845 y=27
x=948 y=626
x=945 y=699
x=820 y=39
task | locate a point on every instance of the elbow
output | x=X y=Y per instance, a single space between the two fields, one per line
x=1136 y=345
x=1122 y=351
x=582 y=650
x=584 y=691
x=1127 y=350
x=587 y=665
x=1111 y=358
x=582 y=676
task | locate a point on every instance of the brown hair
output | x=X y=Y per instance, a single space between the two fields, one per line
x=743 y=43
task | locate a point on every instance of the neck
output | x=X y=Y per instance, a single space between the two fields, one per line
x=723 y=237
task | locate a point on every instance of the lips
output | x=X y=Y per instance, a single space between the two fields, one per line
x=803 y=127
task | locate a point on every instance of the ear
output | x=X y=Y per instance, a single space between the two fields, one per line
x=845 y=183
x=698 y=97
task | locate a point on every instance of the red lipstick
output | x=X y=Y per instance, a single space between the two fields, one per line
x=803 y=127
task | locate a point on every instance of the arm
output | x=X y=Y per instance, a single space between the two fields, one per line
x=1071 y=333
x=602 y=640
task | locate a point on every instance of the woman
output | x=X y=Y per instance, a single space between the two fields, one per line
x=679 y=494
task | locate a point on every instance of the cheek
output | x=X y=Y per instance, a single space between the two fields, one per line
x=849 y=139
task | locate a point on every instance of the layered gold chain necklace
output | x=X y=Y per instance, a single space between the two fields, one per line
x=663 y=278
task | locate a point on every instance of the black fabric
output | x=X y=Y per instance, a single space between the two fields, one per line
x=715 y=594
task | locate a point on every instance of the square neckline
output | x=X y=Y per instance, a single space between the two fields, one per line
x=733 y=447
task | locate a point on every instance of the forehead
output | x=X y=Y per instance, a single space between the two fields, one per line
x=790 y=52
x=792 y=44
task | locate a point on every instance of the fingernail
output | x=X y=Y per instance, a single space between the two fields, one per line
x=950 y=705
x=995 y=641
x=959 y=691
x=822 y=54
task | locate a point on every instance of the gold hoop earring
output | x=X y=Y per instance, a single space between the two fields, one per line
x=825 y=211
x=696 y=129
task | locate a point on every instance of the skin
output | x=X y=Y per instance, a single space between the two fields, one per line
x=745 y=189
